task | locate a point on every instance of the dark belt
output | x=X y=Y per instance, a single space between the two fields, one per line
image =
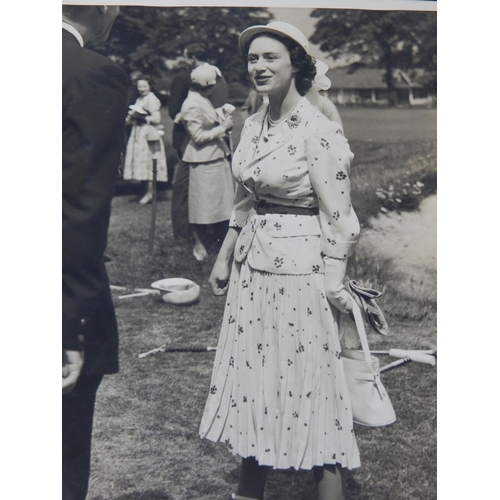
x=263 y=208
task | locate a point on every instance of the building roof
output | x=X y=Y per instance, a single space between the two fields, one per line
x=362 y=78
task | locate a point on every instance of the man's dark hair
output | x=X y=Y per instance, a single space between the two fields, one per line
x=198 y=51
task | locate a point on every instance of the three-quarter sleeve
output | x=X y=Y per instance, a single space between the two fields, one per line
x=329 y=159
x=193 y=120
x=243 y=199
x=243 y=203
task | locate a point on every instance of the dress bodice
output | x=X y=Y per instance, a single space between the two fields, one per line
x=304 y=161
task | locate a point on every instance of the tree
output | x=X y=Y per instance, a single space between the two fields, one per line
x=389 y=39
x=143 y=38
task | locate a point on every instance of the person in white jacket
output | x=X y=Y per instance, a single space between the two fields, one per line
x=211 y=186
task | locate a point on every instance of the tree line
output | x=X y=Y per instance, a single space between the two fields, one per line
x=144 y=38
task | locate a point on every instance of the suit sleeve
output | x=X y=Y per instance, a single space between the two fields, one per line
x=178 y=93
x=94 y=109
x=220 y=94
x=329 y=160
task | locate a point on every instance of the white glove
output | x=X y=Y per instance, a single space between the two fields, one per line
x=228 y=108
x=334 y=284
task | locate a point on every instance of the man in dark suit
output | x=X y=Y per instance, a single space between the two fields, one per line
x=94 y=94
x=194 y=55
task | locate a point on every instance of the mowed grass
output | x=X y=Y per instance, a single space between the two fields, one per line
x=146 y=443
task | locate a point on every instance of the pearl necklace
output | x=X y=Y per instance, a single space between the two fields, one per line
x=273 y=123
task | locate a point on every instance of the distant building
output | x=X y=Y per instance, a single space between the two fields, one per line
x=367 y=86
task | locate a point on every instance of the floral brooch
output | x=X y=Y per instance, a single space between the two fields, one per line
x=294 y=120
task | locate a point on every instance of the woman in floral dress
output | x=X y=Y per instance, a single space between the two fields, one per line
x=145 y=142
x=278 y=396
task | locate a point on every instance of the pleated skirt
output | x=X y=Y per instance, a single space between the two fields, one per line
x=278 y=391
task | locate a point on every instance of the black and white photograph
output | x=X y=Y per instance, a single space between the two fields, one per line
x=249 y=251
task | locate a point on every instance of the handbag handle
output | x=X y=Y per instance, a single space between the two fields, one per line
x=360 y=326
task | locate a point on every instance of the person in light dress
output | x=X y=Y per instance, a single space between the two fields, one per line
x=278 y=395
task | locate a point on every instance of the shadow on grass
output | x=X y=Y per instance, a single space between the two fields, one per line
x=125 y=188
x=143 y=495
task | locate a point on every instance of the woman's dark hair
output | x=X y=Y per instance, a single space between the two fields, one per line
x=145 y=78
x=300 y=59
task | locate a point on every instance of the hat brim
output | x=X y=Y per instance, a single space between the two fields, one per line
x=249 y=33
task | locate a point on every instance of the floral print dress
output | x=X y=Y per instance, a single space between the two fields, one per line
x=139 y=154
x=278 y=391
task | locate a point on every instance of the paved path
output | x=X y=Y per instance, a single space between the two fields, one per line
x=410 y=238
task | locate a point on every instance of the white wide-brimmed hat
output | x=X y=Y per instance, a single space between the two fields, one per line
x=276 y=27
x=178 y=290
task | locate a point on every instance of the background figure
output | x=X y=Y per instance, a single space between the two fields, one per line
x=253 y=103
x=145 y=143
x=314 y=94
x=278 y=394
x=132 y=96
x=211 y=187
x=94 y=94
x=194 y=55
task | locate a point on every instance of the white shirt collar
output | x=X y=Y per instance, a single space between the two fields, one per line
x=74 y=32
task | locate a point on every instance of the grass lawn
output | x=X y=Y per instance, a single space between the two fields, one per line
x=146 y=443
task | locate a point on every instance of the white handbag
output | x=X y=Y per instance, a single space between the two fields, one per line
x=370 y=402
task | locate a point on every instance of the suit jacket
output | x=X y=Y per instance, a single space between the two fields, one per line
x=178 y=92
x=303 y=162
x=94 y=99
x=206 y=136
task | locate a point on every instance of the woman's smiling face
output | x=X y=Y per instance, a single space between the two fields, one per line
x=269 y=65
x=143 y=87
